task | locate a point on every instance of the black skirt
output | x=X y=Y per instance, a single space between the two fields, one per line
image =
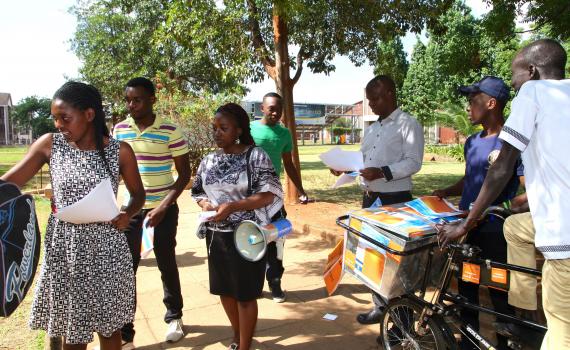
x=230 y=274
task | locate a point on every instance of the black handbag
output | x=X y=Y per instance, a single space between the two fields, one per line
x=19 y=246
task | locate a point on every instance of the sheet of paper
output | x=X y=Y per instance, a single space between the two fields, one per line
x=99 y=205
x=147 y=242
x=340 y=160
x=204 y=216
x=345 y=178
x=330 y=317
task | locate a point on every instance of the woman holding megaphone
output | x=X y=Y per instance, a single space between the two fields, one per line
x=239 y=183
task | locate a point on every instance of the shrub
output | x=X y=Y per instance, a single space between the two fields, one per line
x=452 y=151
x=194 y=115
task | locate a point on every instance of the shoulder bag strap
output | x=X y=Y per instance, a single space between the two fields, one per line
x=248 y=169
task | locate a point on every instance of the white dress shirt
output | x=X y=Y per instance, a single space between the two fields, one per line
x=395 y=144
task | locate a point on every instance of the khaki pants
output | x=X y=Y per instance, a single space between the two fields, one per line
x=519 y=233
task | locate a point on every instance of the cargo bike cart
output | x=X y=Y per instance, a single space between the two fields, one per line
x=394 y=251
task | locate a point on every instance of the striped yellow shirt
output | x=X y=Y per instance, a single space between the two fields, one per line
x=155 y=149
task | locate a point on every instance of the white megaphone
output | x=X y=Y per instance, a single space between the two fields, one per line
x=251 y=239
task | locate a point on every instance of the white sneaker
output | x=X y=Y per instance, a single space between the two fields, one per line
x=124 y=346
x=174 y=332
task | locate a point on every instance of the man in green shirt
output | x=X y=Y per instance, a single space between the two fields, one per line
x=276 y=141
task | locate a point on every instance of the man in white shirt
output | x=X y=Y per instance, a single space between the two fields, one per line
x=393 y=149
x=539 y=128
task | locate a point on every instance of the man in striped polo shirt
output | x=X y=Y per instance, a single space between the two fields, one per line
x=157 y=145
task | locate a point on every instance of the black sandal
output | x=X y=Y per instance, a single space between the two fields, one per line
x=234 y=346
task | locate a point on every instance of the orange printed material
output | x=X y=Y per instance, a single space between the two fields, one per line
x=499 y=275
x=471 y=273
x=395 y=246
x=373 y=266
x=333 y=269
x=332 y=277
x=356 y=224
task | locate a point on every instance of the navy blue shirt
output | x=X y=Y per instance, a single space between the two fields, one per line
x=480 y=153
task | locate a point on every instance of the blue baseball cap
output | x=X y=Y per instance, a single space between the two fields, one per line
x=492 y=86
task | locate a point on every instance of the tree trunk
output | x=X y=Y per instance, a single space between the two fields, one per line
x=284 y=85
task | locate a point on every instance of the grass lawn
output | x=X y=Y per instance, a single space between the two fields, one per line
x=317 y=180
x=11 y=155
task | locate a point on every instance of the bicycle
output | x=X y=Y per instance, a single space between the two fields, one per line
x=409 y=321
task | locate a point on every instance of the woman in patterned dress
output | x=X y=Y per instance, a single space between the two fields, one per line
x=222 y=185
x=86 y=282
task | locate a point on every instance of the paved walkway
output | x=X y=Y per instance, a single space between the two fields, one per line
x=296 y=324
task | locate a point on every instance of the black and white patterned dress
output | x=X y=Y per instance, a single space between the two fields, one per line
x=222 y=178
x=86 y=282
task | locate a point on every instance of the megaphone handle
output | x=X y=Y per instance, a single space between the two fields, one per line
x=280 y=245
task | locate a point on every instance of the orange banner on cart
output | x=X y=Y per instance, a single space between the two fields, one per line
x=373 y=266
x=471 y=273
x=499 y=275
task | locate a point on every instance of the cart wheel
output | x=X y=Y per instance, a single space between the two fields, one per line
x=397 y=329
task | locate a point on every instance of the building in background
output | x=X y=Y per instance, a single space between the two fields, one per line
x=6 y=129
x=342 y=123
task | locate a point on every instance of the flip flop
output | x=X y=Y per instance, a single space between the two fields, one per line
x=234 y=346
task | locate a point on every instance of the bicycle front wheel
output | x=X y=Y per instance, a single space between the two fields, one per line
x=398 y=329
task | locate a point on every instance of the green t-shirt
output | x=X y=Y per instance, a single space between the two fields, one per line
x=274 y=140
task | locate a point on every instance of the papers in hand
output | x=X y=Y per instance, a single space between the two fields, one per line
x=345 y=178
x=340 y=160
x=147 y=242
x=204 y=216
x=99 y=205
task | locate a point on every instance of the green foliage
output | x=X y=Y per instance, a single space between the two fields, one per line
x=455 y=151
x=459 y=55
x=343 y=130
x=419 y=90
x=118 y=40
x=554 y=14
x=391 y=60
x=35 y=112
x=456 y=117
x=193 y=113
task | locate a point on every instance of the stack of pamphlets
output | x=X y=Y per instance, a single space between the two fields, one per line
x=415 y=218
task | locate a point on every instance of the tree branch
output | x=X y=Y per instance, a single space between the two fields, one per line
x=300 y=57
x=257 y=40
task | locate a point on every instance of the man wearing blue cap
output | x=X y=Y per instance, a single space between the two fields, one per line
x=487 y=99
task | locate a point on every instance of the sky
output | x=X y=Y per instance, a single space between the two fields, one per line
x=36 y=57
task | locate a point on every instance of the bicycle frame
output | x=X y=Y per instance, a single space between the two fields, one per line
x=440 y=295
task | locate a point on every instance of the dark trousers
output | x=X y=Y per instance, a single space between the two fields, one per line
x=164 y=250
x=386 y=198
x=489 y=237
x=275 y=267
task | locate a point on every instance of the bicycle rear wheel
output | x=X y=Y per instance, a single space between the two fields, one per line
x=397 y=328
